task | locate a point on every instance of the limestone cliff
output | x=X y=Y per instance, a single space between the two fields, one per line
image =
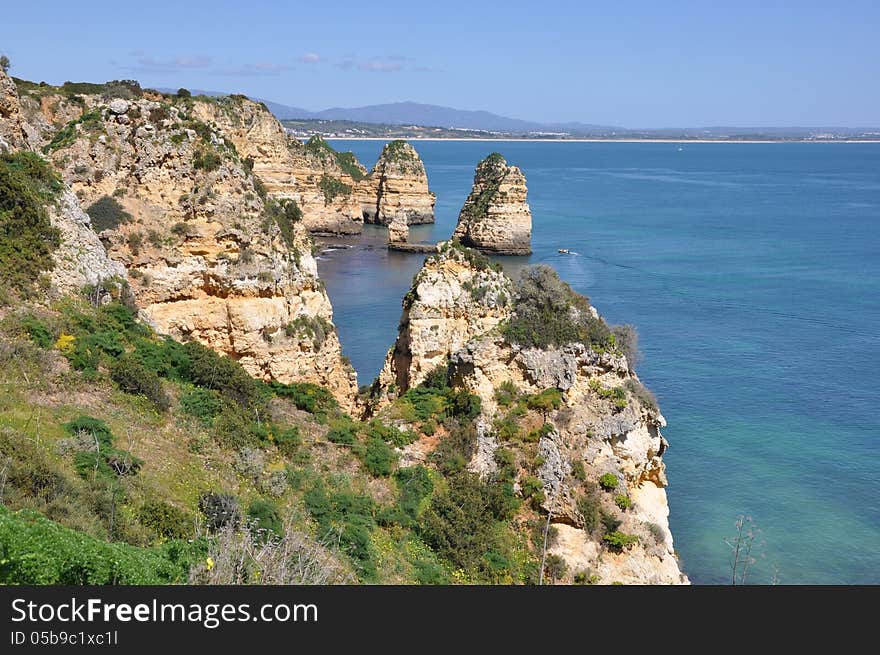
x=207 y=256
x=456 y=296
x=311 y=174
x=398 y=184
x=12 y=134
x=496 y=217
x=80 y=258
x=570 y=419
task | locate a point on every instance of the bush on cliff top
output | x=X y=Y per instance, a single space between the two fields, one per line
x=27 y=238
x=547 y=313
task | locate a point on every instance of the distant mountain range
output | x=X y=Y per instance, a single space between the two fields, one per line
x=414 y=113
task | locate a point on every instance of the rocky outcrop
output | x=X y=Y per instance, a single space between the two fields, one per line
x=80 y=259
x=398 y=230
x=311 y=174
x=456 y=296
x=594 y=445
x=496 y=217
x=12 y=136
x=397 y=185
x=207 y=257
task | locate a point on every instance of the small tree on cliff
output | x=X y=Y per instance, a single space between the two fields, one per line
x=5 y=64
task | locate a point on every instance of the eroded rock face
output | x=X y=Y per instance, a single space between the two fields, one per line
x=601 y=422
x=398 y=229
x=397 y=185
x=496 y=216
x=178 y=209
x=309 y=174
x=80 y=259
x=451 y=301
x=12 y=136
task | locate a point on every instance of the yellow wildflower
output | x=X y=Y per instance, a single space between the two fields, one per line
x=65 y=342
x=210 y=563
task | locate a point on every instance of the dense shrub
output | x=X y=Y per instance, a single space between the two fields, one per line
x=456 y=449
x=288 y=441
x=332 y=187
x=608 y=481
x=99 y=458
x=165 y=357
x=203 y=404
x=379 y=458
x=392 y=435
x=589 y=507
x=38 y=332
x=308 y=397
x=219 y=510
x=285 y=213
x=206 y=160
x=342 y=431
x=414 y=485
x=546 y=401
x=460 y=524
x=107 y=214
x=167 y=521
x=623 y=501
x=555 y=567
x=27 y=238
x=265 y=517
x=619 y=541
x=547 y=313
x=350 y=518
x=133 y=377
x=213 y=371
x=36 y=550
x=506 y=394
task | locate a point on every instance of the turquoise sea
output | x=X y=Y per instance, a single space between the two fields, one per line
x=753 y=275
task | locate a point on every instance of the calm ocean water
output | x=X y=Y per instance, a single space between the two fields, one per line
x=752 y=273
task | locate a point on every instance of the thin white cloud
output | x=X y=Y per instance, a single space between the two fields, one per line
x=311 y=58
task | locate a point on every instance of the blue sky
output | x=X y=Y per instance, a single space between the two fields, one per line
x=635 y=64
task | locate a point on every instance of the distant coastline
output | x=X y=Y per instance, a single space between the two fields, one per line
x=586 y=140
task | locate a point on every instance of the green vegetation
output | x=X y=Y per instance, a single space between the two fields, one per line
x=36 y=550
x=617 y=395
x=398 y=150
x=133 y=377
x=473 y=257
x=350 y=166
x=546 y=401
x=346 y=160
x=285 y=214
x=91 y=122
x=107 y=214
x=547 y=313
x=608 y=481
x=623 y=501
x=332 y=188
x=27 y=238
x=315 y=328
x=207 y=160
x=265 y=516
x=619 y=541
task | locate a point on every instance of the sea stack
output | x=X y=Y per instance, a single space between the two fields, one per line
x=398 y=230
x=397 y=184
x=496 y=217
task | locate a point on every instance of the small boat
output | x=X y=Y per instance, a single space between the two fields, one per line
x=565 y=251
